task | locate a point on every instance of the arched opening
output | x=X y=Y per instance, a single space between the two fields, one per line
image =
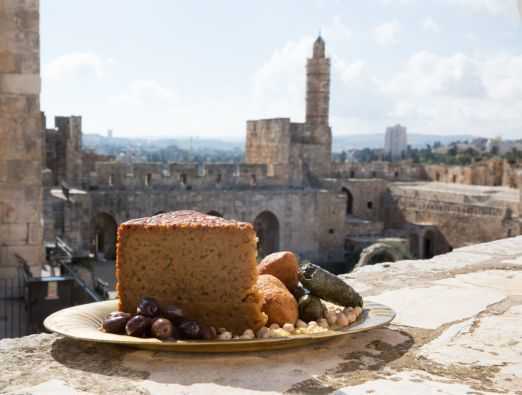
x=106 y=228
x=253 y=180
x=429 y=245
x=414 y=244
x=349 y=201
x=266 y=225
x=380 y=257
x=454 y=179
x=215 y=213
x=218 y=179
x=437 y=176
x=148 y=180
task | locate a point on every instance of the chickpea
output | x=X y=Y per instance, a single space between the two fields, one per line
x=342 y=320
x=274 y=326
x=301 y=324
x=225 y=336
x=263 y=333
x=289 y=327
x=323 y=323
x=331 y=317
x=248 y=334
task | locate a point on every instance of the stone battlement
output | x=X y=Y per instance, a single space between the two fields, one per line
x=119 y=175
x=495 y=172
x=457 y=331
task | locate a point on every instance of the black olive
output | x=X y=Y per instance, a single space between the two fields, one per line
x=190 y=329
x=148 y=307
x=161 y=328
x=138 y=326
x=115 y=323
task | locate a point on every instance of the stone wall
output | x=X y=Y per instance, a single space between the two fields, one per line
x=494 y=172
x=460 y=215
x=149 y=175
x=20 y=135
x=63 y=150
x=309 y=222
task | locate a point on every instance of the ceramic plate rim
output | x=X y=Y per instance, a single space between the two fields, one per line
x=52 y=323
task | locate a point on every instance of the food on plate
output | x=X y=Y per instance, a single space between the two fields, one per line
x=280 y=305
x=138 y=326
x=328 y=286
x=311 y=308
x=162 y=328
x=116 y=323
x=204 y=265
x=283 y=265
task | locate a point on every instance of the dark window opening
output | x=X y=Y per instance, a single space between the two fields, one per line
x=370 y=205
x=349 y=201
x=454 y=179
x=331 y=231
x=352 y=174
x=253 y=180
x=396 y=174
x=183 y=179
x=374 y=174
x=148 y=179
x=218 y=179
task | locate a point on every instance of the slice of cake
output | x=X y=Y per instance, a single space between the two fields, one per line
x=206 y=265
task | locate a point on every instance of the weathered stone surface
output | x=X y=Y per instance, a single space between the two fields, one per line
x=20 y=135
x=462 y=337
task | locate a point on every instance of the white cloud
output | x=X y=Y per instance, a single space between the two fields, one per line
x=428 y=74
x=279 y=84
x=430 y=25
x=148 y=93
x=76 y=64
x=458 y=92
x=387 y=33
x=492 y=7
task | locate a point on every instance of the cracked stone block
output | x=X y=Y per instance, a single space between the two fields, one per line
x=437 y=304
x=411 y=382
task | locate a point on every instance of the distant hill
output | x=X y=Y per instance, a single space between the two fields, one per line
x=360 y=141
x=97 y=141
x=340 y=142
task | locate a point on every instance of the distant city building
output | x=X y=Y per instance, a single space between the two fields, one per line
x=395 y=142
x=109 y=133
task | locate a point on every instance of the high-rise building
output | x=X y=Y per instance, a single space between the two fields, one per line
x=395 y=142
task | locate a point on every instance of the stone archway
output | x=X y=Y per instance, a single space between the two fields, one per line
x=215 y=213
x=349 y=200
x=378 y=253
x=266 y=225
x=106 y=228
x=428 y=244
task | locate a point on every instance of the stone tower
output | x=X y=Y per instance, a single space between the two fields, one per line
x=317 y=128
x=20 y=136
x=318 y=86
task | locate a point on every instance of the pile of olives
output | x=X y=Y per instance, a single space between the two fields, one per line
x=151 y=320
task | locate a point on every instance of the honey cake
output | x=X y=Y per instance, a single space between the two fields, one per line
x=204 y=264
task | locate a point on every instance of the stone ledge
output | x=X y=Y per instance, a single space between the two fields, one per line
x=457 y=331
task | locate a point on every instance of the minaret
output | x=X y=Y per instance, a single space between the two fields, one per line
x=318 y=86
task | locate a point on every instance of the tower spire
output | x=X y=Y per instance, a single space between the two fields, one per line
x=318 y=85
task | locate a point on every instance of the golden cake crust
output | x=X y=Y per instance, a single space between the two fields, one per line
x=206 y=265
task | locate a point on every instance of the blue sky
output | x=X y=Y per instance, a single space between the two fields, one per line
x=202 y=68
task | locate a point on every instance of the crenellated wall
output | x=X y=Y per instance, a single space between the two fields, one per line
x=494 y=172
x=120 y=175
